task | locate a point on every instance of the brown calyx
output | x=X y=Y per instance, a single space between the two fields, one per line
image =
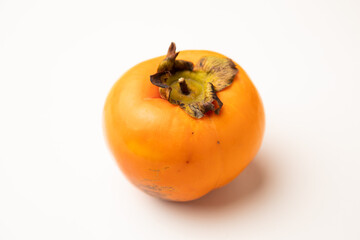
x=191 y=87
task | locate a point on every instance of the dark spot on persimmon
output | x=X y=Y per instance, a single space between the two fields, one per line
x=218 y=142
x=192 y=133
x=187 y=162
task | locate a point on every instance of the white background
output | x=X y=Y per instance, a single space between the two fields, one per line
x=58 y=60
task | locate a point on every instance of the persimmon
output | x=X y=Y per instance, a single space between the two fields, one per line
x=183 y=124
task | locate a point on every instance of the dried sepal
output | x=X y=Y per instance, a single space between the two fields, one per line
x=221 y=71
x=165 y=93
x=170 y=64
x=182 y=65
x=160 y=79
x=198 y=109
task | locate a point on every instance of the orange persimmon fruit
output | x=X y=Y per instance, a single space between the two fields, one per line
x=183 y=124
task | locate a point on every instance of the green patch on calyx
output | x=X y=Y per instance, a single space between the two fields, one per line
x=191 y=87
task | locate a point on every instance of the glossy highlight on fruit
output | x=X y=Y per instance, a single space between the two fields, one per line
x=183 y=124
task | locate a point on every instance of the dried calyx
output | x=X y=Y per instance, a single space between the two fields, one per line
x=191 y=87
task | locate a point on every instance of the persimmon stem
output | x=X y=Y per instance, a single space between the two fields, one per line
x=183 y=86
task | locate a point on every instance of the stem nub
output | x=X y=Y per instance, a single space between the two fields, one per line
x=183 y=86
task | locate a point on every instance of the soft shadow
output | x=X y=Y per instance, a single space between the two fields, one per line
x=237 y=194
x=247 y=183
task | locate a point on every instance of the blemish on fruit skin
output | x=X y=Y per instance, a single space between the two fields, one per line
x=187 y=162
x=192 y=133
x=218 y=142
x=151 y=180
x=154 y=170
x=157 y=190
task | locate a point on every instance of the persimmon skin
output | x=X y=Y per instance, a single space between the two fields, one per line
x=167 y=153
